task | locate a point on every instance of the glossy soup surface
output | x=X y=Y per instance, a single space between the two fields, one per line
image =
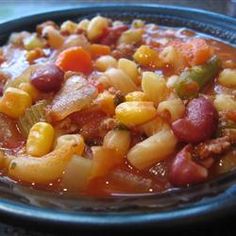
x=103 y=107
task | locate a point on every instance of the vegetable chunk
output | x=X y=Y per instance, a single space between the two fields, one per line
x=76 y=94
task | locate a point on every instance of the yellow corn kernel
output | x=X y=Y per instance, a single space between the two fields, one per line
x=30 y=89
x=106 y=102
x=40 y=139
x=76 y=140
x=147 y=56
x=96 y=27
x=227 y=78
x=14 y=102
x=69 y=27
x=135 y=113
x=136 y=96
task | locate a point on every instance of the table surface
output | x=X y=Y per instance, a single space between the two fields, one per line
x=11 y=9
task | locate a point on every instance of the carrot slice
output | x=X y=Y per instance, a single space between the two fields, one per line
x=196 y=51
x=97 y=50
x=199 y=51
x=75 y=59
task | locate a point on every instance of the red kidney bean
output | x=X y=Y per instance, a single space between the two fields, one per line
x=200 y=122
x=47 y=78
x=112 y=34
x=184 y=170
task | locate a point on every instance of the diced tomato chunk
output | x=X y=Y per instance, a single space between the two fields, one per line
x=196 y=51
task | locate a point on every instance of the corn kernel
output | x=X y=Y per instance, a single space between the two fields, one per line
x=14 y=102
x=30 y=89
x=147 y=56
x=227 y=78
x=135 y=113
x=105 y=101
x=76 y=139
x=136 y=96
x=40 y=139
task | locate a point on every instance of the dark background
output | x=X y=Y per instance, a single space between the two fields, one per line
x=11 y=9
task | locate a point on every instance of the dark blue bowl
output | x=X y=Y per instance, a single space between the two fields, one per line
x=199 y=203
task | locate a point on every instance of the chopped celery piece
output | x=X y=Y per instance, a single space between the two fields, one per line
x=32 y=115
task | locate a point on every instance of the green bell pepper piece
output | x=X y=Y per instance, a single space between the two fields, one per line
x=192 y=80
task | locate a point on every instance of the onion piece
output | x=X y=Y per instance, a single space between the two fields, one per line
x=76 y=94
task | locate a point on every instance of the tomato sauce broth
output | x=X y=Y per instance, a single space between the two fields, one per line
x=123 y=178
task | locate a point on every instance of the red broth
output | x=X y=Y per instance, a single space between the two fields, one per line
x=104 y=108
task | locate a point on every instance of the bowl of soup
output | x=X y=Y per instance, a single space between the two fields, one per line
x=129 y=112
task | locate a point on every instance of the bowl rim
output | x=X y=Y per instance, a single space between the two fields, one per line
x=219 y=205
x=133 y=6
